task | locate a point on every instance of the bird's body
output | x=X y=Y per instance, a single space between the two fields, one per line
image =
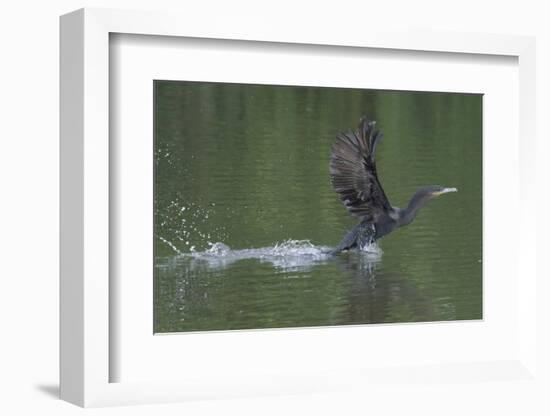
x=354 y=177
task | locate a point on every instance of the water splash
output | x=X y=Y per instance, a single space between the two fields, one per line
x=289 y=255
x=169 y=244
x=373 y=250
x=182 y=224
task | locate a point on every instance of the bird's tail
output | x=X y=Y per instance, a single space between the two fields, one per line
x=349 y=241
x=360 y=236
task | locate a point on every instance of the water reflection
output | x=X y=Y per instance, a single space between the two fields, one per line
x=377 y=295
x=214 y=291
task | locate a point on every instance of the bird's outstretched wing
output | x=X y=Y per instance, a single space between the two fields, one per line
x=353 y=172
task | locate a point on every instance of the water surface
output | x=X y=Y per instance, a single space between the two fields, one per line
x=245 y=215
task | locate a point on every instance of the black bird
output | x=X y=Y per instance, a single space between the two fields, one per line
x=353 y=176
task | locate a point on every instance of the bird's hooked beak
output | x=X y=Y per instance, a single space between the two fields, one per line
x=445 y=191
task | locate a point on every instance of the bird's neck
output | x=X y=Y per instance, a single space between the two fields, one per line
x=417 y=201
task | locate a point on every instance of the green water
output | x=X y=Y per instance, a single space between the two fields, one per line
x=247 y=166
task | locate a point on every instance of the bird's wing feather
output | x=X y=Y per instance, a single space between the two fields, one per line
x=353 y=172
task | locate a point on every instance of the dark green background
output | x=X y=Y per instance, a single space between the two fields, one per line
x=247 y=165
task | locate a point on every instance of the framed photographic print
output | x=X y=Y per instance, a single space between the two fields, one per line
x=263 y=213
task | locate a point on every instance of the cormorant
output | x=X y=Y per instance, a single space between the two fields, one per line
x=353 y=176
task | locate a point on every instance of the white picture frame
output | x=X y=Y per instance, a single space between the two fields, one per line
x=86 y=303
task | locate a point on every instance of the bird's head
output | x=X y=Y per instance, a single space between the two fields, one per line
x=437 y=190
x=421 y=197
x=426 y=193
